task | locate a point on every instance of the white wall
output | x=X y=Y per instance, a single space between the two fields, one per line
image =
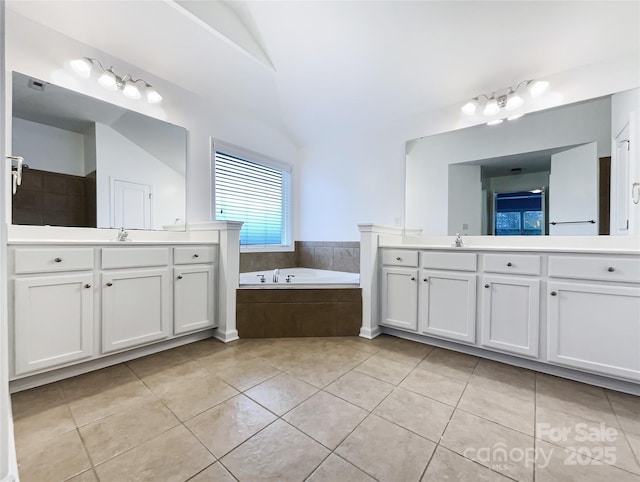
x=45 y=54
x=521 y=182
x=48 y=148
x=118 y=158
x=465 y=200
x=429 y=158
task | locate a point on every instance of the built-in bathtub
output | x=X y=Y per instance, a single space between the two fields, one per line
x=313 y=303
x=300 y=278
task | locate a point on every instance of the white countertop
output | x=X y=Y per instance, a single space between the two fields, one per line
x=536 y=249
x=103 y=243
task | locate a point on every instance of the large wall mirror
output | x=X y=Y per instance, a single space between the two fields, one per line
x=548 y=172
x=88 y=163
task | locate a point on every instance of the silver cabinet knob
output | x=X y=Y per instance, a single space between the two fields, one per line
x=509 y=264
x=554 y=293
x=109 y=283
x=196 y=255
x=179 y=276
x=487 y=285
x=58 y=260
x=611 y=269
x=88 y=285
x=398 y=258
x=425 y=280
x=413 y=278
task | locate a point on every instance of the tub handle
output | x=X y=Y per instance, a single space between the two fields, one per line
x=289 y=276
x=262 y=278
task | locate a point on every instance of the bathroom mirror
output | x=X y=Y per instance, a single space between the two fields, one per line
x=89 y=163
x=545 y=173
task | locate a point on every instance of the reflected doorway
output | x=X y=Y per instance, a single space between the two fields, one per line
x=519 y=213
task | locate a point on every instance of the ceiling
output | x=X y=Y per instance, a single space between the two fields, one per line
x=321 y=70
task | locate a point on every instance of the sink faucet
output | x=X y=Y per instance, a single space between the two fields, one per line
x=276 y=275
x=458 y=241
x=123 y=235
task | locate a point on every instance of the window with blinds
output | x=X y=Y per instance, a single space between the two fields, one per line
x=256 y=194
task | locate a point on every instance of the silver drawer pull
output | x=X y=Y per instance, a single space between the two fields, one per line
x=509 y=264
x=58 y=260
x=196 y=255
x=179 y=276
x=413 y=278
x=487 y=285
x=554 y=293
x=611 y=269
x=88 y=285
x=398 y=258
x=425 y=280
x=109 y=283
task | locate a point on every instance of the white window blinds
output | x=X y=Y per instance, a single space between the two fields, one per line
x=253 y=193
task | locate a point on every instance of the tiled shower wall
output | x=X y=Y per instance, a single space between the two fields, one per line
x=336 y=256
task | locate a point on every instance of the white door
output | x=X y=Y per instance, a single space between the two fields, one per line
x=53 y=321
x=621 y=183
x=448 y=305
x=400 y=298
x=131 y=205
x=136 y=308
x=194 y=289
x=511 y=314
x=594 y=327
x=573 y=192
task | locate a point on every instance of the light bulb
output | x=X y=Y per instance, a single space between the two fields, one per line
x=131 y=91
x=82 y=67
x=152 y=95
x=470 y=107
x=108 y=80
x=537 y=87
x=494 y=122
x=491 y=108
x=514 y=101
x=514 y=117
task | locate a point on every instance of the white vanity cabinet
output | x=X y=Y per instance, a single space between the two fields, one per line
x=53 y=309
x=399 y=289
x=510 y=313
x=75 y=304
x=136 y=302
x=193 y=289
x=593 y=314
x=447 y=295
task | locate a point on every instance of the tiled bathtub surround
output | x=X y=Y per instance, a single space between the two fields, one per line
x=335 y=256
x=273 y=313
x=323 y=409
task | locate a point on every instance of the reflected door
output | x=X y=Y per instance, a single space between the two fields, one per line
x=573 y=192
x=131 y=205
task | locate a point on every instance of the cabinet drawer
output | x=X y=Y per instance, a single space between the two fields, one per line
x=449 y=261
x=39 y=260
x=400 y=257
x=512 y=263
x=134 y=257
x=193 y=254
x=595 y=268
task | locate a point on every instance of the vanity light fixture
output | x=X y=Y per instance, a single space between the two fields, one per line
x=509 y=100
x=111 y=81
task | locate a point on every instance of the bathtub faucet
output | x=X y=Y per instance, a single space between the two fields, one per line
x=276 y=275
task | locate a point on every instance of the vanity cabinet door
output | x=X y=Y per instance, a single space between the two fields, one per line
x=193 y=289
x=594 y=327
x=511 y=314
x=136 y=308
x=400 y=298
x=448 y=305
x=53 y=322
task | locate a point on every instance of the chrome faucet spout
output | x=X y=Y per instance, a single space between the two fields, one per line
x=123 y=235
x=276 y=275
x=458 y=241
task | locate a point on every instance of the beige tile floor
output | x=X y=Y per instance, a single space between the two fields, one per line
x=324 y=409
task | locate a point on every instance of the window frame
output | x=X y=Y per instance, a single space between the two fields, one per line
x=252 y=156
